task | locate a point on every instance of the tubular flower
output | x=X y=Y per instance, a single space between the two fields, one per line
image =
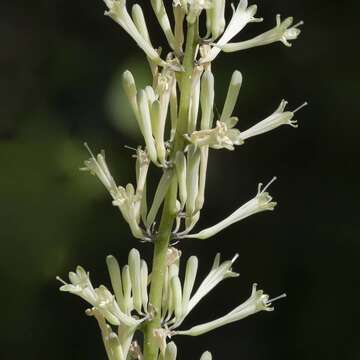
x=283 y=31
x=242 y=16
x=258 y=301
x=261 y=202
x=118 y=12
x=277 y=118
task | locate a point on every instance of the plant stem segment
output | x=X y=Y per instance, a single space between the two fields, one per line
x=169 y=210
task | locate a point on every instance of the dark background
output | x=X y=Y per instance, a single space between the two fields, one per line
x=61 y=63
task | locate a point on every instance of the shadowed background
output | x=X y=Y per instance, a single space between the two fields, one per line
x=61 y=64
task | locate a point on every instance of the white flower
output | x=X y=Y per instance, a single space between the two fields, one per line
x=283 y=31
x=100 y=298
x=118 y=12
x=129 y=204
x=242 y=16
x=277 y=118
x=177 y=300
x=258 y=301
x=97 y=166
x=223 y=136
x=261 y=202
x=218 y=273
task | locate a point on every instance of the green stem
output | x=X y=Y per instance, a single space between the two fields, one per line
x=151 y=348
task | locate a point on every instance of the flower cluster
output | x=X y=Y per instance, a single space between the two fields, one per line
x=128 y=308
x=176 y=118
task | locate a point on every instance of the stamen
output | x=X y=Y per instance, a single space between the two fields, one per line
x=234 y=258
x=130 y=147
x=61 y=280
x=300 y=107
x=298 y=24
x=89 y=150
x=282 y=296
x=269 y=183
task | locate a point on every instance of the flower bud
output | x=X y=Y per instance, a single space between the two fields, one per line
x=190 y=275
x=115 y=277
x=126 y=281
x=135 y=276
x=207 y=99
x=171 y=351
x=232 y=95
x=206 y=356
x=145 y=120
x=177 y=295
x=180 y=164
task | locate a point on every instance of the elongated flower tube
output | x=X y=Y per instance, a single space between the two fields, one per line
x=161 y=15
x=192 y=182
x=135 y=276
x=180 y=164
x=277 y=118
x=207 y=95
x=258 y=301
x=160 y=110
x=140 y=23
x=146 y=128
x=232 y=96
x=118 y=12
x=242 y=16
x=261 y=202
x=218 y=23
x=283 y=32
x=130 y=90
